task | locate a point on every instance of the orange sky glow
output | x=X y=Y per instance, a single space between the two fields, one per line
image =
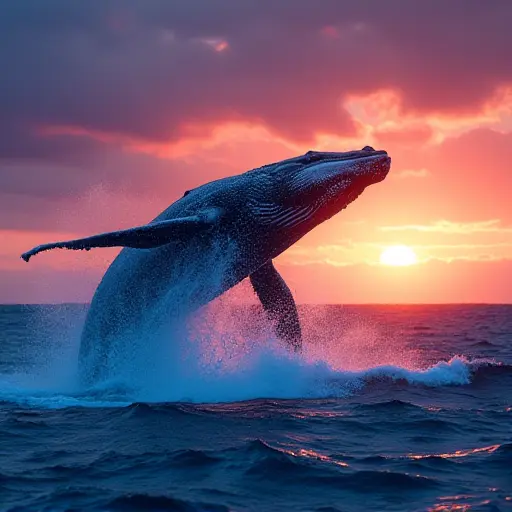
x=447 y=197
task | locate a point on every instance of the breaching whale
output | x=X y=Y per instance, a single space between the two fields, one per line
x=212 y=238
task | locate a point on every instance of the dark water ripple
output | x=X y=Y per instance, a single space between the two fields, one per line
x=397 y=441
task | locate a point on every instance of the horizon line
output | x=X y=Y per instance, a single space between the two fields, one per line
x=298 y=304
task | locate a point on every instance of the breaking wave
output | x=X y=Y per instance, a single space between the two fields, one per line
x=229 y=354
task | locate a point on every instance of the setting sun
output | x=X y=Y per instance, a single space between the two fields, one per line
x=398 y=256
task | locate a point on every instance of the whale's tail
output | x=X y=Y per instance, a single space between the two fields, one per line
x=147 y=236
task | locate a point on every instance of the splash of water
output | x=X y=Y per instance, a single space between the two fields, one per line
x=226 y=352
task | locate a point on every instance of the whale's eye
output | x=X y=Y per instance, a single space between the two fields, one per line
x=368 y=148
x=187 y=192
x=312 y=156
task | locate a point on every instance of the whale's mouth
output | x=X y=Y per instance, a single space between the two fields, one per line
x=381 y=167
x=374 y=170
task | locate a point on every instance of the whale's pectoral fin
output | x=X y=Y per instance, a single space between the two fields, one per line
x=277 y=301
x=148 y=236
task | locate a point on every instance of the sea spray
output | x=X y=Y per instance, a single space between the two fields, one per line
x=225 y=352
x=130 y=332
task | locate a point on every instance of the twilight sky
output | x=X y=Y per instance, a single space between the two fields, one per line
x=110 y=110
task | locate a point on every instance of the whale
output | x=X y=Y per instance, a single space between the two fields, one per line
x=209 y=240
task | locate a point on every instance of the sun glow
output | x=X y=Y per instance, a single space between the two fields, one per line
x=398 y=256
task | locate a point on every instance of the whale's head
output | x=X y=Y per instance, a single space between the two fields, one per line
x=313 y=187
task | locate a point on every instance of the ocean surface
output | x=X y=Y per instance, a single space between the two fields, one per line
x=390 y=408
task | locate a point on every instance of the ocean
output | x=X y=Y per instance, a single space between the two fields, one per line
x=390 y=408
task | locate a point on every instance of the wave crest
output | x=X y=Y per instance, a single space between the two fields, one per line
x=270 y=375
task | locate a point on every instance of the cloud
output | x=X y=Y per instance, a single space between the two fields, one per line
x=384 y=117
x=419 y=131
x=153 y=70
x=411 y=173
x=96 y=83
x=446 y=226
x=350 y=253
x=464 y=252
x=432 y=282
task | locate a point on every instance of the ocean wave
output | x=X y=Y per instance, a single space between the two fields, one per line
x=271 y=376
x=137 y=502
x=279 y=464
x=389 y=405
x=501 y=458
x=485 y=369
x=60 y=499
x=194 y=458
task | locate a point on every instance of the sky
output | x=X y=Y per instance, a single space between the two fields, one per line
x=110 y=110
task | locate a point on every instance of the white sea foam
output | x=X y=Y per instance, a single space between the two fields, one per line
x=224 y=354
x=184 y=374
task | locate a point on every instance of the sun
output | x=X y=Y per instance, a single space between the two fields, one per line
x=398 y=256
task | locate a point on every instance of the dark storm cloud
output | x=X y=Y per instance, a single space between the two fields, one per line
x=140 y=68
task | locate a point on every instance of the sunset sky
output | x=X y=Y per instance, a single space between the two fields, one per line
x=110 y=110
